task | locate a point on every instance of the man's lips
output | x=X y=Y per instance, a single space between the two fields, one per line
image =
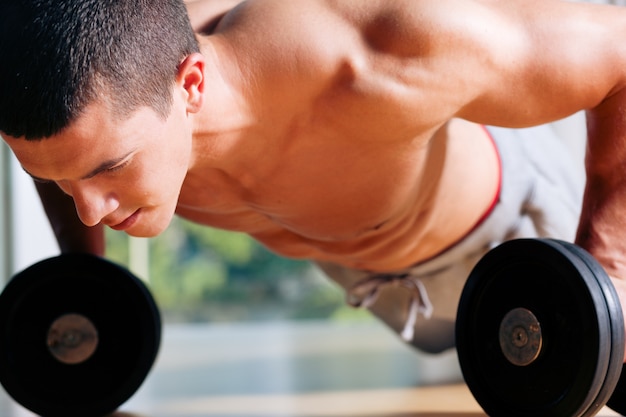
x=127 y=223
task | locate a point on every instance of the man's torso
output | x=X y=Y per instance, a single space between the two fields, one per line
x=326 y=171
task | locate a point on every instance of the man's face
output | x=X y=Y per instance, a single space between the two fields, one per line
x=126 y=174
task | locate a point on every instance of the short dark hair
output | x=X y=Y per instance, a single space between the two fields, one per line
x=57 y=56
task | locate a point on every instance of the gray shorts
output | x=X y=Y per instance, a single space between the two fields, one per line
x=540 y=196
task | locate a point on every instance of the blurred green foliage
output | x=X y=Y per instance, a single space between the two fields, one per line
x=201 y=274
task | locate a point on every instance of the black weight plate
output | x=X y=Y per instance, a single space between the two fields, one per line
x=119 y=306
x=576 y=307
x=616 y=319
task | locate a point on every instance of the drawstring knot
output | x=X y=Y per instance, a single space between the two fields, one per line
x=365 y=293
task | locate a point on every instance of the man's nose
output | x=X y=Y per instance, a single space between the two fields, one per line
x=92 y=203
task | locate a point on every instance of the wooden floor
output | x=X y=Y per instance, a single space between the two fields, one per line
x=452 y=400
x=449 y=400
x=287 y=370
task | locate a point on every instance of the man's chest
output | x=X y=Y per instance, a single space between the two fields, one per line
x=317 y=189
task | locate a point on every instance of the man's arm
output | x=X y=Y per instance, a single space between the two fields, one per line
x=71 y=234
x=545 y=60
x=579 y=63
x=602 y=228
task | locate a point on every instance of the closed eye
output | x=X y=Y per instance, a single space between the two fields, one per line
x=118 y=167
x=111 y=166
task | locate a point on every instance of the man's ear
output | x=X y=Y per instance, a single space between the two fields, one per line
x=191 y=80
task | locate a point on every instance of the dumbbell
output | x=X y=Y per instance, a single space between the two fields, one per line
x=540 y=332
x=78 y=336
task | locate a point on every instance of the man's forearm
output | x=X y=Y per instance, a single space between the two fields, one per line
x=71 y=234
x=602 y=229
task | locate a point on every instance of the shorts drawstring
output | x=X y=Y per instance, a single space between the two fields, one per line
x=365 y=293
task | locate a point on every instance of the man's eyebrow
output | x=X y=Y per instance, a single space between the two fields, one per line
x=106 y=165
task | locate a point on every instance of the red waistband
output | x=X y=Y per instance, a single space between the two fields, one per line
x=496 y=197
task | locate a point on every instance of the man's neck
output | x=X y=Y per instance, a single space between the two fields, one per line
x=226 y=108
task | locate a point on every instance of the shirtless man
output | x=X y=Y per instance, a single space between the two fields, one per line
x=345 y=132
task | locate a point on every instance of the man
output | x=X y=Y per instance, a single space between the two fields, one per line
x=346 y=132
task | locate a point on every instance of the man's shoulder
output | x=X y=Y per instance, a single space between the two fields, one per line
x=290 y=39
x=288 y=22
